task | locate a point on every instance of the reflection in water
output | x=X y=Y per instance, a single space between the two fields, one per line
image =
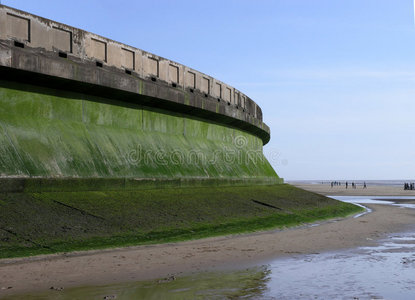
x=247 y=284
x=378 y=200
x=386 y=271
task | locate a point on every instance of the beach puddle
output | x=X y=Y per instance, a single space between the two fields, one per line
x=383 y=271
x=246 y=284
x=401 y=201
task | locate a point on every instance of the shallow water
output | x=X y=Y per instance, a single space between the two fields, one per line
x=248 y=284
x=385 y=271
x=377 y=200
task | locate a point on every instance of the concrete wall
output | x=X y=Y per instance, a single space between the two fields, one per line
x=76 y=105
x=36 y=32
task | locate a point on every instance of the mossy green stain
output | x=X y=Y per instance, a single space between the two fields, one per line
x=186 y=99
x=141 y=87
x=67 y=221
x=55 y=133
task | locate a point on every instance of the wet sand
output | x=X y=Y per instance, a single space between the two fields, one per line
x=371 y=190
x=231 y=252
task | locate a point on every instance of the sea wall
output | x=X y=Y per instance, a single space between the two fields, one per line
x=74 y=105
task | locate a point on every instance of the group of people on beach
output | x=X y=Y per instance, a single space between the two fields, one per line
x=409 y=186
x=354 y=185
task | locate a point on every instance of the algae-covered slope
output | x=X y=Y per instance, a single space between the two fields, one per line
x=55 y=133
x=67 y=221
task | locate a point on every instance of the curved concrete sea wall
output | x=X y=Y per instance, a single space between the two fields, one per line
x=74 y=105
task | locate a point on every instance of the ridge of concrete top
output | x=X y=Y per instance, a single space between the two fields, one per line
x=43 y=51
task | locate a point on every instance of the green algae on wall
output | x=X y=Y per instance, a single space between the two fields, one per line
x=55 y=133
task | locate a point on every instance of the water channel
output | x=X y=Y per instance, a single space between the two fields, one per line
x=383 y=271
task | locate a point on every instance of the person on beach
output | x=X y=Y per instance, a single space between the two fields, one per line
x=364 y=184
x=347 y=184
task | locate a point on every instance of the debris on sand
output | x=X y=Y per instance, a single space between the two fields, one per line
x=167 y=279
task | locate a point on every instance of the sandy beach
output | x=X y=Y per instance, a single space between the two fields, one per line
x=371 y=190
x=230 y=252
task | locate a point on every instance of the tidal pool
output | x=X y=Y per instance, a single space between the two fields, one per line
x=384 y=271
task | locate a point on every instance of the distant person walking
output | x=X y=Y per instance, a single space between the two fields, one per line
x=364 y=185
x=409 y=186
x=347 y=184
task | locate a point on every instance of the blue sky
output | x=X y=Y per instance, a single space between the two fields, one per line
x=335 y=79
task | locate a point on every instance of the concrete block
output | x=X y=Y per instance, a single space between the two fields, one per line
x=97 y=49
x=205 y=85
x=173 y=74
x=218 y=90
x=18 y=27
x=190 y=80
x=62 y=39
x=127 y=59
x=151 y=66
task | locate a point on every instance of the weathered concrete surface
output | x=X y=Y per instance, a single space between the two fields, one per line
x=74 y=105
x=45 y=69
